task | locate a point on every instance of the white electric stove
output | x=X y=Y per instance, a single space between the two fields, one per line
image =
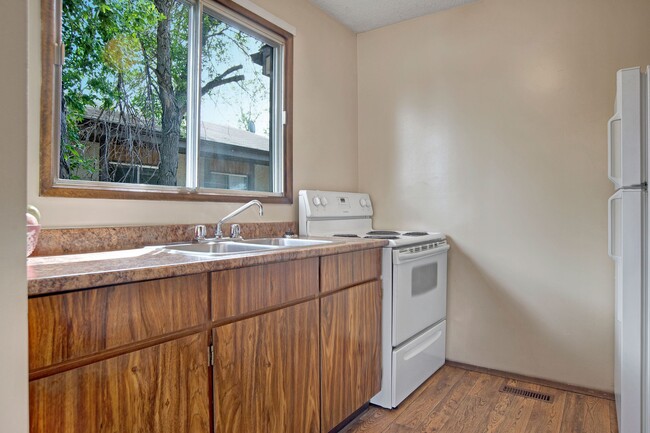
x=414 y=285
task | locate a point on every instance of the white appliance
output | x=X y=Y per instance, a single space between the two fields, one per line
x=414 y=286
x=628 y=247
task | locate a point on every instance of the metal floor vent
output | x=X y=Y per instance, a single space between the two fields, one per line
x=526 y=393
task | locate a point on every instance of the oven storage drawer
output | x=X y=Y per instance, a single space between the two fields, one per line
x=417 y=360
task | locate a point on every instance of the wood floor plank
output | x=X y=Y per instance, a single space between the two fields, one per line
x=584 y=414
x=377 y=419
x=596 y=419
x=518 y=412
x=500 y=411
x=473 y=410
x=456 y=400
x=573 y=414
x=398 y=428
x=429 y=399
x=613 y=423
x=371 y=420
x=547 y=417
x=439 y=416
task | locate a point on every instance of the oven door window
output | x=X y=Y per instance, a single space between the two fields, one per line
x=424 y=279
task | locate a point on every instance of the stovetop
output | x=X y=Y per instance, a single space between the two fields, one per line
x=395 y=238
x=349 y=215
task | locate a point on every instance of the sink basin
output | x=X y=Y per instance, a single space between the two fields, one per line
x=248 y=246
x=218 y=248
x=286 y=242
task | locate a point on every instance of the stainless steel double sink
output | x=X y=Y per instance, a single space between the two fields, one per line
x=224 y=247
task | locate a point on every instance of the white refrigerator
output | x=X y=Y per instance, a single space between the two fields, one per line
x=628 y=247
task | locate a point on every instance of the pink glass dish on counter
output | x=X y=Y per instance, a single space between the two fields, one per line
x=33 y=228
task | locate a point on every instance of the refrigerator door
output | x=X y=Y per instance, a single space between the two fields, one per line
x=624 y=131
x=626 y=231
x=645 y=398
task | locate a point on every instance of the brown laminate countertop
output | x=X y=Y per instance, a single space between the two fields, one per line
x=55 y=274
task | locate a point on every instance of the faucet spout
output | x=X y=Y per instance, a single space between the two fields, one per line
x=219 y=232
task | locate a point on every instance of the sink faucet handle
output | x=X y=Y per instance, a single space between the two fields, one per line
x=199 y=232
x=290 y=234
x=235 y=231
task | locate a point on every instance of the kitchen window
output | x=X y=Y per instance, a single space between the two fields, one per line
x=165 y=99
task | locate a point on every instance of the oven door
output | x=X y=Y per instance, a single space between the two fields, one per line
x=419 y=289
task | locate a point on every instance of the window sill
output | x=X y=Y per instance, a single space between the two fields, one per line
x=72 y=189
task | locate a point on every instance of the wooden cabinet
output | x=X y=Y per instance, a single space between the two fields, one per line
x=350 y=351
x=241 y=291
x=160 y=389
x=266 y=376
x=124 y=358
x=289 y=347
x=69 y=326
x=348 y=269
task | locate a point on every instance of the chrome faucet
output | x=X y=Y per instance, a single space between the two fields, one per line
x=219 y=232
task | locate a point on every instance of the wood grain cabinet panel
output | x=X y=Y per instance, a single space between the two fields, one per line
x=161 y=389
x=350 y=351
x=266 y=377
x=72 y=325
x=348 y=269
x=245 y=290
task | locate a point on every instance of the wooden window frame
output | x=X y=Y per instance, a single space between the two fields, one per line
x=48 y=173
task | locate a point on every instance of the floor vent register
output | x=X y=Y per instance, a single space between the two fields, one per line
x=526 y=393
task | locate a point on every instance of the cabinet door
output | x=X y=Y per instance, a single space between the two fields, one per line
x=266 y=372
x=160 y=389
x=68 y=326
x=242 y=291
x=350 y=351
x=349 y=269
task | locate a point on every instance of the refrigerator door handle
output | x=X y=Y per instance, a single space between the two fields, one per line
x=610 y=151
x=610 y=225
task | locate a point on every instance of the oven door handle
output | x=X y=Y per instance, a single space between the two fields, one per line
x=403 y=257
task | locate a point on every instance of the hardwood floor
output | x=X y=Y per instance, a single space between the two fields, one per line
x=455 y=400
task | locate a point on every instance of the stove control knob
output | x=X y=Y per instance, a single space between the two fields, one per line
x=316 y=201
x=323 y=201
x=362 y=202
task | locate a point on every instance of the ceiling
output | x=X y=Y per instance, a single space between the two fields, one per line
x=364 y=15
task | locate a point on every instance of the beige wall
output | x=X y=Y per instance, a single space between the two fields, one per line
x=488 y=122
x=13 y=284
x=325 y=131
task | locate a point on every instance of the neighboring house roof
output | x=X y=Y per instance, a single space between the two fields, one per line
x=210 y=132
x=233 y=136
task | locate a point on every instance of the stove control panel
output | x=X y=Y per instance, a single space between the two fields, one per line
x=332 y=204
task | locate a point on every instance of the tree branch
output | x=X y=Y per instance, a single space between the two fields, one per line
x=221 y=79
x=241 y=47
x=217 y=81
